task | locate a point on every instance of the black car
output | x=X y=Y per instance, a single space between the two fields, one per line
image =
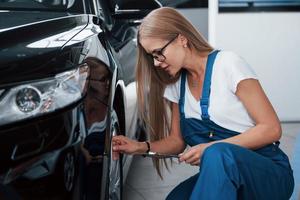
x=66 y=87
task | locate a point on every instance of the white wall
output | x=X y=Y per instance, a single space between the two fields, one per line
x=198 y=17
x=270 y=42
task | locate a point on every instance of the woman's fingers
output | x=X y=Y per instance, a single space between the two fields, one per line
x=115 y=155
x=196 y=163
x=119 y=138
x=116 y=142
x=191 y=156
x=121 y=147
x=184 y=157
x=122 y=144
x=193 y=159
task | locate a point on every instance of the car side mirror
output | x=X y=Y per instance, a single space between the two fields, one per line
x=134 y=9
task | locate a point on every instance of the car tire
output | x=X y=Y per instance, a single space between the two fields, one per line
x=115 y=183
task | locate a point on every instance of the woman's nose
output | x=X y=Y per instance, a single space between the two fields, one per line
x=156 y=63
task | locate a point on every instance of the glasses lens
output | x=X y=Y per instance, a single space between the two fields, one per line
x=158 y=56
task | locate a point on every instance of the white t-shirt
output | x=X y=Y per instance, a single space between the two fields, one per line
x=225 y=108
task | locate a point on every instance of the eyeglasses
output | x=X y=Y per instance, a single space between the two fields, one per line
x=158 y=55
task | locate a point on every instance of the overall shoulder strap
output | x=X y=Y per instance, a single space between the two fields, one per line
x=204 y=102
x=182 y=93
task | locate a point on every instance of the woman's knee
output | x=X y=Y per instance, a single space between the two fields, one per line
x=218 y=150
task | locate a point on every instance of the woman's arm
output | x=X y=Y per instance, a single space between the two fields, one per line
x=266 y=131
x=267 y=128
x=172 y=144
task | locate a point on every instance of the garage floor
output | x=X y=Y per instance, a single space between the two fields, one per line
x=144 y=184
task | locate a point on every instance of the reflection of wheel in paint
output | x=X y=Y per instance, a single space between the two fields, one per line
x=69 y=171
x=65 y=172
x=115 y=166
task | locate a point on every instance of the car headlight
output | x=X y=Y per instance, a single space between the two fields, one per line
x=37 y=98
x=28 y=99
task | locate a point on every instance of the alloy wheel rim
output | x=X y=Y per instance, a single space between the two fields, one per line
x=114 y=176
x=69 y=171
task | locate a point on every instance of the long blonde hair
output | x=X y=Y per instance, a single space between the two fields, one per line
x=163 y=23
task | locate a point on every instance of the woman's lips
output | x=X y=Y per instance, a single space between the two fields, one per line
x=166 y=68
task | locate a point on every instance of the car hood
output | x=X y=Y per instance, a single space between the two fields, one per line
x=14 y=19
x=30 y=40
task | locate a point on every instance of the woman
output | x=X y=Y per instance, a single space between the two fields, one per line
x=217 y=107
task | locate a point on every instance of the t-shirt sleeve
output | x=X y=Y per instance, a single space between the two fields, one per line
x=172 y=92
x=239 y=70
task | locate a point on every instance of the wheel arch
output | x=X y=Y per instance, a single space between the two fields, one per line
x=119 y=107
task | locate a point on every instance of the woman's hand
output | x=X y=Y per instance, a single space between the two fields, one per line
x=193 y=155
x=122 y=144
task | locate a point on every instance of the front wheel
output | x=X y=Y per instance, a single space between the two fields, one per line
x=115 y=166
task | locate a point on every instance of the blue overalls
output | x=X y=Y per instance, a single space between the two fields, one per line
x=229 y=171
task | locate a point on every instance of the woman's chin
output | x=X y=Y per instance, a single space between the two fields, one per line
x=172 y=73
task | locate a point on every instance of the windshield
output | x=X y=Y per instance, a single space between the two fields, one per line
x=47 y=5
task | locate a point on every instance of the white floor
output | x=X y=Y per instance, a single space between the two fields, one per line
x=144 y=184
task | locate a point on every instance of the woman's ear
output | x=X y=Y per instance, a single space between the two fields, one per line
x=183 y=40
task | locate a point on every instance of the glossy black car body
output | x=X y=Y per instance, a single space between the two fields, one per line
x=57 y=58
